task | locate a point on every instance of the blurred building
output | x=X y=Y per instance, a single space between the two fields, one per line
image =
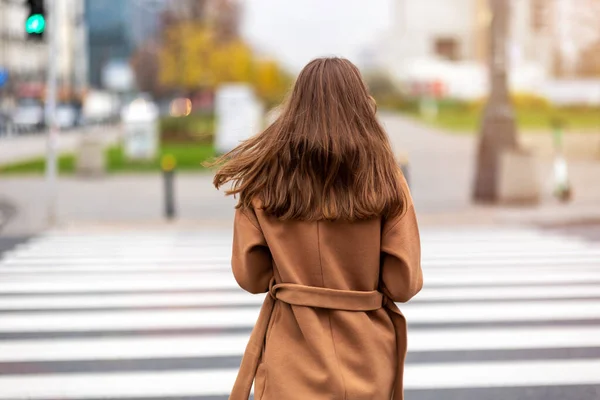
x=109 y=36
x=26 y=60
x=23 y=60
x=72 y=46
x=114 y=32
x=448 y=41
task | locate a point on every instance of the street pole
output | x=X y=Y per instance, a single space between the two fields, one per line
x=50 y=111
x=498 y=130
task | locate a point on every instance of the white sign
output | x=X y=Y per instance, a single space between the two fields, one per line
x=239 y=116
x=140 y=121
x=140 y=141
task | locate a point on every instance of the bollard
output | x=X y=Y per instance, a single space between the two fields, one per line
x=168 y=164
x=562 y=188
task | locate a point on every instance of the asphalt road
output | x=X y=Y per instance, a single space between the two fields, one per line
x=589 y=232
x=25 y=147
x=9 y=243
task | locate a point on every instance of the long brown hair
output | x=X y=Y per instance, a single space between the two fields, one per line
x=324 y=158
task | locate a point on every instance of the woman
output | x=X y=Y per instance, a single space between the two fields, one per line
x=326 y=225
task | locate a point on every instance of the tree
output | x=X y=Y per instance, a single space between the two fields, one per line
x=200 y=48
x=498 y=130
x=193 y=56
x=271 y=84
x=226 y=18
x=384 y=89
x=145 y=65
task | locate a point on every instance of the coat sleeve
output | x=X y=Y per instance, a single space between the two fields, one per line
x=251 y=259
x=401 y=274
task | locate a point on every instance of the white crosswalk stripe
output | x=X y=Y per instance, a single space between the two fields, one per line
x=158 y=316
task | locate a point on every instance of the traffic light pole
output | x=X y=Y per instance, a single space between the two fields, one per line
x=50 y=111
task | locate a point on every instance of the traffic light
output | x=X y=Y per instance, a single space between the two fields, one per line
x=35 y=25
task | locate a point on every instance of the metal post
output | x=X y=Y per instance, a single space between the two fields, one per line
x=498 y=131
x=51 y=167
x=168 y=164
x=169 y=177
x=562 y=185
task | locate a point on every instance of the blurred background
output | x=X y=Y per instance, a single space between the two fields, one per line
x=115 y=277
x=201 y=75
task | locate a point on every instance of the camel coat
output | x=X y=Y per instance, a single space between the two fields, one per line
x=344 y=350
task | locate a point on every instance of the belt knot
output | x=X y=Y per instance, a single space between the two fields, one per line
x=320 y=297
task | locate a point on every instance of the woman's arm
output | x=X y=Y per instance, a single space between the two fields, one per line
x=401 y=273
x=251 y=259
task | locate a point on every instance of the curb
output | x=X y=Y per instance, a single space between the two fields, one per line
x=101 y=227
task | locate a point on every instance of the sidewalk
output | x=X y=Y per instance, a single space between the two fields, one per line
x=442 y=167
x=29 y=146
x=120 y=200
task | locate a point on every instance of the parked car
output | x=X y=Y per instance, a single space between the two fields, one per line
x=67 y=116
x=100 y=107
x=28 y=115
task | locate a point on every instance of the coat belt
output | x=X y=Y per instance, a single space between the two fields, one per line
x=318 y=297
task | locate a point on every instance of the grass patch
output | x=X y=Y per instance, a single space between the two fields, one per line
x=66 y=165
x=189 y=158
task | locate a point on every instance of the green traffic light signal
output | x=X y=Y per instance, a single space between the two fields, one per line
x=35 y=24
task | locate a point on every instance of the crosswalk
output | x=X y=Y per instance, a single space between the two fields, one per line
x=505 y=314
